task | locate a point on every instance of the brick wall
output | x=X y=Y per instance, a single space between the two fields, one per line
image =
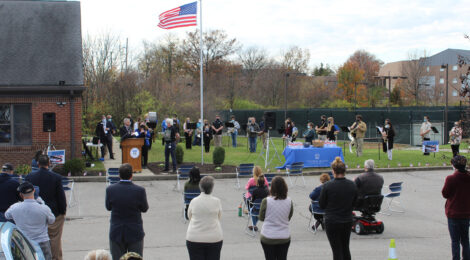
x=61 y=138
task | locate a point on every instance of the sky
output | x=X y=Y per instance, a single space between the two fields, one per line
x=331 y=29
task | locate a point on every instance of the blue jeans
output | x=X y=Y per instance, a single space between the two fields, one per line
x=170 y=149
x=252 y=144
x=234 y=139
x=458 y=230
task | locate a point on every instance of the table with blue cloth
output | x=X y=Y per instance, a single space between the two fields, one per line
x=311 y=156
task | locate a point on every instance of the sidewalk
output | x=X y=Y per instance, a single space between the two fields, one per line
x=117 y=162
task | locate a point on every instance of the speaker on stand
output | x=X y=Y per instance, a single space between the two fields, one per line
x=49 y=126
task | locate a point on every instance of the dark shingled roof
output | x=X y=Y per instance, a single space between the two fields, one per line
x=40 y=43
x=449 y=56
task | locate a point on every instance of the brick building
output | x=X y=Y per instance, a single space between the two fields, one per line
x=40 y=73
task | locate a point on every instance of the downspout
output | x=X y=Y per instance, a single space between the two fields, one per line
x=72 y=130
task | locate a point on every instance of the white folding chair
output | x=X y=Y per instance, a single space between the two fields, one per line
x=253 y=212
x=314 y=210
x=393 y=197
x=182 y=173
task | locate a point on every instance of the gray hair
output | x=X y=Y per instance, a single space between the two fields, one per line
x=369 y=164
x=207 y=184
x=126 y=120
x=99 y=254
x=169 y=121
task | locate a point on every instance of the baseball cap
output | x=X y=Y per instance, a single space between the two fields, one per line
x=25 y=187
x=7 y=167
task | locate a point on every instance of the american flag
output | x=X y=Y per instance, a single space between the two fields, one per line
x=183 y=16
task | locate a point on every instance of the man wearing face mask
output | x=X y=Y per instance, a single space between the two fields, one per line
x=253 y=131
x=425 y=131
x=309 y=134
x=217 y=127
x=358 y=130
x=321 y=128
x=388 y=133
x=455 y=135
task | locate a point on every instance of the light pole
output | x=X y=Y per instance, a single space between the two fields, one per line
x=446 y=66
x=287 y=74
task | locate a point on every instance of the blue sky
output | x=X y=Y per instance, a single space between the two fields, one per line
x=331 y=30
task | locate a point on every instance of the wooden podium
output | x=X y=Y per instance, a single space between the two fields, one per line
x=132 y=153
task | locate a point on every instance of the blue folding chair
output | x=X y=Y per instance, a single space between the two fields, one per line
x=244 y=169
x=393 y=196
x=253 y=212
x=296 y=170
x=182 y=173
x=315 y=209
x=188 y=196
x=270 y=177
x=112 y=176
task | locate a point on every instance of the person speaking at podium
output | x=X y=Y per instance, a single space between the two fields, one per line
x=126 y=129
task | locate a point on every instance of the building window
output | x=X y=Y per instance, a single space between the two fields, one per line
x=427 y=69
x=441 y=80
x=454 y=81
x=454 y=93
x=441 y=69
x=454 y=67
x=441 y=93
x=15 y=124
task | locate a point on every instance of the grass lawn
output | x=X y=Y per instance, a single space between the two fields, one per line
x=235 y=156
x=99 y=167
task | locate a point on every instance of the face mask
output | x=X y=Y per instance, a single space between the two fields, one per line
x=425 y=120
x=309 y=127
x=249 y=121
x=329 y=122
x=387 y=126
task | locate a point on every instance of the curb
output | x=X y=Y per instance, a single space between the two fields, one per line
x=138 y=177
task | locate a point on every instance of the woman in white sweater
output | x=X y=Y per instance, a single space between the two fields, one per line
x=276 y=212
x=204 y=236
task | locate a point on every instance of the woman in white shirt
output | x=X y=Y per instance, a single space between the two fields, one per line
x=204 y=236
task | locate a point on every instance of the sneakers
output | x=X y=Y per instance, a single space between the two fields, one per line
x=253 y=228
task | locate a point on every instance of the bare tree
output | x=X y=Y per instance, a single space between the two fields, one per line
x=414 y=69
x=253 y=60
x=296 y=59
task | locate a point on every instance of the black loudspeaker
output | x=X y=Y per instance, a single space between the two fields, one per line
x=152 y=123
x=270 y=119
x=48 y=122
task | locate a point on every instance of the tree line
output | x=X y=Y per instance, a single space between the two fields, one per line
x=164 y=77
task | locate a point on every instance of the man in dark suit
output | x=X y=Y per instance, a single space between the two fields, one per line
x=101 y=132
x=52 y=192
x=126 y=130
x=111 y=129
x=126 y=201
x=8 y=193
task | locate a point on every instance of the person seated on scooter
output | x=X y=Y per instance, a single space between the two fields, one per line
x=368 y=183
x=314 y=196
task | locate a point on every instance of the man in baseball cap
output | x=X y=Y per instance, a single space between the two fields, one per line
x=8 y=169
x=32 y=218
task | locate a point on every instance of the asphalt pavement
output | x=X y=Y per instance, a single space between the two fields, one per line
x=420 y=233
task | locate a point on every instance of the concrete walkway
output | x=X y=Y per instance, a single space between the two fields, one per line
x=116 y=163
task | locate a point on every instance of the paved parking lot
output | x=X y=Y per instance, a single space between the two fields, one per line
x=420 y=232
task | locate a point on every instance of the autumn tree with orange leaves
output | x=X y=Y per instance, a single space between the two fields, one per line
x=350 y=87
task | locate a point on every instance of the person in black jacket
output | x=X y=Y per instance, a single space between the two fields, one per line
x=52 y=192
x=169 y=136
x=8 y=193
x=127 y=202
x=126 y=130
x=111 y=129
x=388 y=134
x=207 y=135
x=101 y=132
x=259 y=193
x=337 y=198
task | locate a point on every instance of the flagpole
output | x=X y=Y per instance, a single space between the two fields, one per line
x=202 y=82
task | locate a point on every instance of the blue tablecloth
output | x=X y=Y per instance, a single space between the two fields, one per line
x=311 y=157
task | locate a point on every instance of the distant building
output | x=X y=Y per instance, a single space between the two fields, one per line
x=434 y=75
x=41 y=79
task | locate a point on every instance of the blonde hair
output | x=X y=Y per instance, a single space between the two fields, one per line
x=324 y=177
x=338 y=166
x=332 y=124
x=256 y=173
x=99 y=254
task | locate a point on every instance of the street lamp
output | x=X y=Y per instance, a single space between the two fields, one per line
x=446 y=66
x=287 y=74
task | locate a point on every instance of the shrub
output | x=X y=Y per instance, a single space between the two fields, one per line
x=179 y=154
x=75 y=166
x=218 y=156
x=23 y=169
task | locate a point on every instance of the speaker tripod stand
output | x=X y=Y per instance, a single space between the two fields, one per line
x=50 y=147
x=264 y=154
